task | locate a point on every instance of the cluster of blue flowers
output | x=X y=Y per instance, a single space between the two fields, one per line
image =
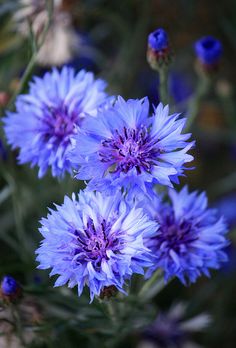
x=69 y=123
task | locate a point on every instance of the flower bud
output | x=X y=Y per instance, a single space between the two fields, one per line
x=10 y=290
x=208 y=51
x=108 y=292
x=158 y=53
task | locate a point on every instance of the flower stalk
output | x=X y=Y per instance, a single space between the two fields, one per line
x=163 y=78
x=35 y=49
x=151 y=287
x=203 y=87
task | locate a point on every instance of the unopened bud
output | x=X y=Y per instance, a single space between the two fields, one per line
x=158 y=53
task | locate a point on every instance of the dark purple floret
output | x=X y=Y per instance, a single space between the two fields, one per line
x=95 y=242
x=158 y=40
x=208 y=50
x=128 y=149
x=174 y=235
x=60 y=124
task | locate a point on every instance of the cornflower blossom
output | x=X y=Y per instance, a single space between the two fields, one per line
x=95 y=241
x=173 y=329
x=190 y=239
x=124 y=147
x=47 y=117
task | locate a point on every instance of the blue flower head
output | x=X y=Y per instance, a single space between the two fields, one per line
x=124 y=147
x=46 y=118
x=158 y=40
x=9 y=286
x=95 y=241
x=208 y=50
x=172 y=328
x=190 y=238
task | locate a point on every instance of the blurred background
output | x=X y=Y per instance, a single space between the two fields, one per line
x=110 y=39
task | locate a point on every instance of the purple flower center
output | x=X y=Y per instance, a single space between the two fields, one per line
x=94 y=243
x=128 y=149
x=174 y=235
x=59 y=124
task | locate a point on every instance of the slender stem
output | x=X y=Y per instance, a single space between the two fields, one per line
x=32 y=61
x=203 y=86
x=111 y=311
x=163 y=76
x=24 y=79
x=20 y=230
x=149 y=285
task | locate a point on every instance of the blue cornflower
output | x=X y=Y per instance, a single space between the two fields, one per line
x=158 y=40
x=124 y=147
x=190 y=238
x=208 y=50
x=46 y=118
x=9 y=286
x=95 y=241
x=173 y=329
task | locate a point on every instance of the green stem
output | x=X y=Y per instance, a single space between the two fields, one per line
x=152 y=286
x=24 y=79
x=111 y=311
x=203 y=86
x=36 y=48
x=163 y=76
x=20 y=230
